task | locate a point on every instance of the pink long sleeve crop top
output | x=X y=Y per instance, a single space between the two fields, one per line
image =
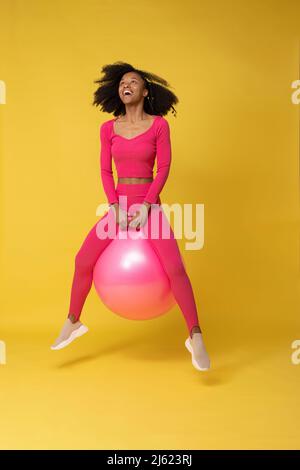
x=135 y=157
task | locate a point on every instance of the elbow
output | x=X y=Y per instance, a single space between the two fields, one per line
x=106 y=172
x=164 y=170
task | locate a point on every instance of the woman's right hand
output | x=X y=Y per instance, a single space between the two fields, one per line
x=121 y=216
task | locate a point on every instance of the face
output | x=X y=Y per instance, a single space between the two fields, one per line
x=133 y=85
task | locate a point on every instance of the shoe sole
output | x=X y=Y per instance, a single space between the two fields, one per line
x=190 y=349
x=75 y=334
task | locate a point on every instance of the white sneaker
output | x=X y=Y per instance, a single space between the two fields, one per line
x=75 y=334
x=188 y=344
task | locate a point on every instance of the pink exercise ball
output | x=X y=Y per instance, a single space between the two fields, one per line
x=130 y=280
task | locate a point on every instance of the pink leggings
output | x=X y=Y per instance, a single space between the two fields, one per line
x=166 y=249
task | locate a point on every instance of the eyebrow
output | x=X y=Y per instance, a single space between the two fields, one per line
x=132 y=78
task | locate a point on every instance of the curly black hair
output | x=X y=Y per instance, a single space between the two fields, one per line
x=158 y=101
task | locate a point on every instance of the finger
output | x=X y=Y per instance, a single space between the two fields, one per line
x=135 y=216
x=133 y=223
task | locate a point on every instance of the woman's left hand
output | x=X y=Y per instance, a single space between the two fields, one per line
x=140 y=217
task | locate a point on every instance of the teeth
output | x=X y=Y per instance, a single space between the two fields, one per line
x=127 y=92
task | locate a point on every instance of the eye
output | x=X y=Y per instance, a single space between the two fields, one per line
x=132 y=80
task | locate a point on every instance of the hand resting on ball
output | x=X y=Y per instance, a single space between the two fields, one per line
x=120 y=215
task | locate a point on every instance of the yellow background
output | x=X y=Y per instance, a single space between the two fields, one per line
x=235 y=145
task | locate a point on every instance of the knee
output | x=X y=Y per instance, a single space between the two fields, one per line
x=176 y=270
x=82 y=263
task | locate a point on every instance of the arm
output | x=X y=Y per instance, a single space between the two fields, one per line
x=164 y=157
x=106 y=166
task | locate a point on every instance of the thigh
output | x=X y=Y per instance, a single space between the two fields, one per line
x=96 y=241
x=164 y=243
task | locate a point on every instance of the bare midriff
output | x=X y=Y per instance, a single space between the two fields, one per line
x=134 y=180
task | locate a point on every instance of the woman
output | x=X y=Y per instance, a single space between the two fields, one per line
x=138 y=134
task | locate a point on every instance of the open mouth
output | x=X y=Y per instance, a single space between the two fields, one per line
x=127 y=93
